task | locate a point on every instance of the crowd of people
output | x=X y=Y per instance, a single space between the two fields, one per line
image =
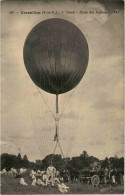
x=113 y=176
x=55 y=178
x=50 y=177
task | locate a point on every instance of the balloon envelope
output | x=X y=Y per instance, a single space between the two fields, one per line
x=56 y=55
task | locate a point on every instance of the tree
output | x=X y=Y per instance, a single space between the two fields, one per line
x=39 y=164
x=117 y=163
x=8 y=161
x=84 y=154
x=105 y=163
x=19 y=156
x=74 y=165
x=56 y=160
x=25 y=158
x=25 y=162
x=18 y=161
x=92 y=159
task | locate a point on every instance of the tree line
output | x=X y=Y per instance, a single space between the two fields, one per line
x=77 y=163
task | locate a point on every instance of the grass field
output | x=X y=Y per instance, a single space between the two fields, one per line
x=10 y=185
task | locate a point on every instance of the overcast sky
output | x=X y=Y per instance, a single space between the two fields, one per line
x=93 y=116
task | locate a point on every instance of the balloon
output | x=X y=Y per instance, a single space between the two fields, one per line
x=56 y=55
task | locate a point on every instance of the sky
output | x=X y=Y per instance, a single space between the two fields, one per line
x=92 y=113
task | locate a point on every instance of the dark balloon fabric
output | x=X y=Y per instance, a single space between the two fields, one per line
x=56 y=55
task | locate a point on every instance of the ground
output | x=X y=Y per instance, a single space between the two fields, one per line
x=10 y=185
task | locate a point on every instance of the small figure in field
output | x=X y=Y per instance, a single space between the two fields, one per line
x=51 y=171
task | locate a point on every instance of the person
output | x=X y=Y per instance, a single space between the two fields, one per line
x=66 y=176
x=51 y=171
x=13 y=172
x=113 y=177
x=105 y=175
x=4 y=172
x=62 y=188
x=22 y=182
x=45 y=178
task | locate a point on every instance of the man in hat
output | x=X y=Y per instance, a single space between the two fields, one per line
x=51 y=171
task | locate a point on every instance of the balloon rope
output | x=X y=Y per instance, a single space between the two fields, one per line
x=52 y=114
x=54 y=152
x=61 y=149
x=65 y=106
x=57 y=143
x=34 y=126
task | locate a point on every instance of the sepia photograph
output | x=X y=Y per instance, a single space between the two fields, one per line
x=62 y=97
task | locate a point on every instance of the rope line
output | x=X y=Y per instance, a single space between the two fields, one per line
x=52 y=114
x=65 y=104
x=57 y=143
x=54 y=152
x=34 y=126
x=61 y=149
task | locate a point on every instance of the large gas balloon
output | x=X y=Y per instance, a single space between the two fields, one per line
x=56 y=55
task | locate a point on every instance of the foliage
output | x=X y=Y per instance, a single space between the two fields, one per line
x=8 y=161
x=75 y=164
